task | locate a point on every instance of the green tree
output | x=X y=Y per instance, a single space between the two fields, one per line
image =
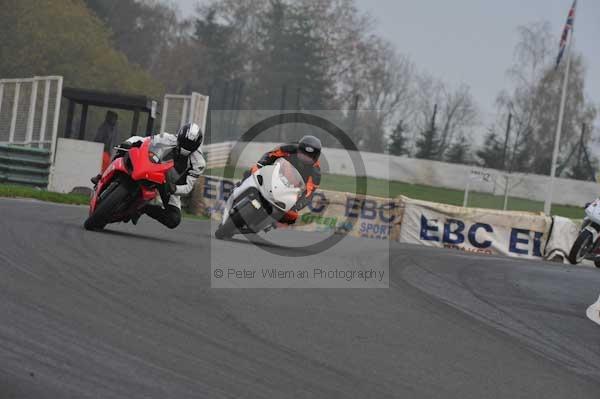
x=139 y=29
x=221 y=54
x=292 y=56
x=582 y=167
x=581 y=171
x=491 y=152
x=428 y=143
x=459 y=151
x=62 y=37
x=398 y=143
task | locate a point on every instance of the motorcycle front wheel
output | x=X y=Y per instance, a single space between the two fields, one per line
x=105 y=209
x=226 y=230
x=583 y=245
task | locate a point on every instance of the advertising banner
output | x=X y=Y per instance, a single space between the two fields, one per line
x=563 y=236
x=484 y=231
x=360 y=216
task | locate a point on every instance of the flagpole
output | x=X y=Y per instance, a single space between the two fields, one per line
x=559 y=126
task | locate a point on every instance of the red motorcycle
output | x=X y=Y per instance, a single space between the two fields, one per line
x=130 y=182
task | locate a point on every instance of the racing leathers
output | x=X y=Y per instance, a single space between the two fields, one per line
x=189 y=168
x=309 y=170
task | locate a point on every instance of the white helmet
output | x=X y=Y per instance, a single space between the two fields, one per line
x=189 y=138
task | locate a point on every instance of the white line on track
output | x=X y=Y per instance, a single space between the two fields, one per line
x=593 y=312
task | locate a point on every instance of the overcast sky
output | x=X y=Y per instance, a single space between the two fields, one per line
x=472 y=41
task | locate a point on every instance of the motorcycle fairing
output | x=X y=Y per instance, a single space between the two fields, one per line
x=116 y=166
x=144 y=169
x=264 y=197
x=252 y=211
x=273 y=184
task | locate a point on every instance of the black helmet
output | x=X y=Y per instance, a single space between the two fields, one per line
x=189 y=138
x=310 y=146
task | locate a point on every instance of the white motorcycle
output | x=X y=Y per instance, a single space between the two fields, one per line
x=587 y=244
x=261 y=200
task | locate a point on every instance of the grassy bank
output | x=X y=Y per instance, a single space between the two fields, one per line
x=14 y=191
x=377 y=187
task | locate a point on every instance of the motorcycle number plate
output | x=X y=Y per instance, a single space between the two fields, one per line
x=256 y=204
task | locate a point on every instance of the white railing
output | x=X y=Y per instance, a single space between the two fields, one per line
x=181 y=109
x=29 y=111
x=438 y=174
x=217 y=154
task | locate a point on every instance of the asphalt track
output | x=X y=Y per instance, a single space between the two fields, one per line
x=129 y=313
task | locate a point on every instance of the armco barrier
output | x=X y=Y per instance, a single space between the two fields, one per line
x=22 y=165
x=365 y=216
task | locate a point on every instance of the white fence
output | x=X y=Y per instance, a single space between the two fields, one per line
x=181 y=109
x=440 y=174
x=217 y=154
x=29 y=111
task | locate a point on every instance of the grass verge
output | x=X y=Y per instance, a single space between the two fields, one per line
x=377 y=187
x=14 y=191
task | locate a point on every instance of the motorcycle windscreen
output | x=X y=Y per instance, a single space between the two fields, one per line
x=160 y=152
x=289 y=175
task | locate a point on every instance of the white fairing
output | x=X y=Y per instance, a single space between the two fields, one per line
x=281 y=185
x=593 y=211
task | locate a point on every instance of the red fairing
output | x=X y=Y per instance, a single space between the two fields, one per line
x=148 y=193
x=144 y=169
x=118 y=165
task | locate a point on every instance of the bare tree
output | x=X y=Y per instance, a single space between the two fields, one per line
x=458 y=114
x=456 y=111
x=534 y=99
x=351 y=59
x=384 y=80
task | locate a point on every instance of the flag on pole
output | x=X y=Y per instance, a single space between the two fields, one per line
x=566 y=42
x=565 y=35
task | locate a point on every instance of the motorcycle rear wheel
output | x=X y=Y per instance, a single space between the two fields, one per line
x=101 y=216
x=583 y=245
